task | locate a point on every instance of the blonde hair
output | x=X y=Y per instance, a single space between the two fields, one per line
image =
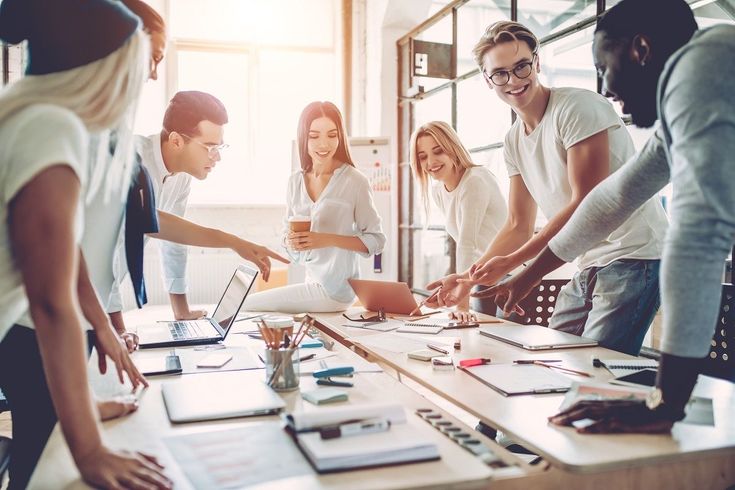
x=449 y=142
x=103 y=94
x=504 y=31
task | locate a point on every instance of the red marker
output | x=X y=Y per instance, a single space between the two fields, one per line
x=474 y=362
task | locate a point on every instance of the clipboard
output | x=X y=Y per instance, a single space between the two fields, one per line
x=520 y=379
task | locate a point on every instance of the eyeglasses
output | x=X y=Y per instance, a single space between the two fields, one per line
x=212 y=150
x=378 y=318
x=502 y=77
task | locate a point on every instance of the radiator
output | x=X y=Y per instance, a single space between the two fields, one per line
x=207 y=273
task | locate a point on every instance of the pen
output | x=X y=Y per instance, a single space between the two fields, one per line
x=367 y=426
x=438 y=349
x=332 y=382
x=307 y=357
x=572 y=371
x=432 y=296
x=534 y=361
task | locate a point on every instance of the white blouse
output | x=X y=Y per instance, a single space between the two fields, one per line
x=475 y=211
x=345 y=207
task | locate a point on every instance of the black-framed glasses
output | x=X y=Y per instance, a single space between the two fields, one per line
x=502 y=77
x=380 y=317
x=212 y=150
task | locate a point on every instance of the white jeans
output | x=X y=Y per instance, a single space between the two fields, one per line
x=295 y=298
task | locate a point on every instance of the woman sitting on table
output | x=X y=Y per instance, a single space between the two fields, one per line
x=335 y=198
x=467 y=194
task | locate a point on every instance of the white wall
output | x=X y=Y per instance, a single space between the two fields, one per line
x=378 y=24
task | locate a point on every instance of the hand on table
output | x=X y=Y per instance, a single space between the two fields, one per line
x=105 y=468
x=463 y=316
x=614 y=416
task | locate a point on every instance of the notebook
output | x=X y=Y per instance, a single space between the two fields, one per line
x=410 y=327
x=520 y=379
x=535 y=337
x=622 y=367
x=403 y=442
x=446 y=323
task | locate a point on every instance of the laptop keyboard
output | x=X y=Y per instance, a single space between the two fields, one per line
x=186 y=330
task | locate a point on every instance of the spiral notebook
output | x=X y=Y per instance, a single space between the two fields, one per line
x=445 y=323
x=621 y=367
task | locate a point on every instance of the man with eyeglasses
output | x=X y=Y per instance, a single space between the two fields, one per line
x=678 y=77
x=188 y=146
x=563 y=142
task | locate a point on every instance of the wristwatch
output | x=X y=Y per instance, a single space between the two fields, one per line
x=654 y=399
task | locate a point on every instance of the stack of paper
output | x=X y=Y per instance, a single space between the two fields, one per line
x=401 y=443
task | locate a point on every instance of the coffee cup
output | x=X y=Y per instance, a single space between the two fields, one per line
x=299 y=223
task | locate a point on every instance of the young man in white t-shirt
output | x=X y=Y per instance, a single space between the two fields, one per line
x=562 y=144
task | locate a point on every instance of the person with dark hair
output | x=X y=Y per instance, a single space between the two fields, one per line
x=564 y=141
x=188 y=146
x=155 y=27
x=335 y=197
x=672 y=72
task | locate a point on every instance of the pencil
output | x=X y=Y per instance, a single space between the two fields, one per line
x=423 y=303
x=560 y=368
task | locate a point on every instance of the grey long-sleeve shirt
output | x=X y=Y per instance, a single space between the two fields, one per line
x=694 y=149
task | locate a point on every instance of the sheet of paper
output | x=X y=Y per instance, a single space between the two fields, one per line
x=520 y=379
x=699 y=411
x=386 y=326
x=238 y=458
x=308 y=368
x=391 y=342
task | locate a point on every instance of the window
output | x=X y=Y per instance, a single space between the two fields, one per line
x=266 y=61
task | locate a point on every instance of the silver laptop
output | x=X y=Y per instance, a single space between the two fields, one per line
x=207 y=330
x=224 y=395
x=535 y=337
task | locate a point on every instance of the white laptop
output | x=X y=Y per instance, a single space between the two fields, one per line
x=224 y=395
x=207 y=330
x=535 y=337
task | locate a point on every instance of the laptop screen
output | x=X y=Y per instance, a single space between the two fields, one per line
x=234 y=296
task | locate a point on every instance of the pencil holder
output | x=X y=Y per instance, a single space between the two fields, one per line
x=282 y=369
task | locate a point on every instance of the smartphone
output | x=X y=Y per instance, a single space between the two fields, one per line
x=423 y=354
x=215 y=360
x=645 y=377
x=458 y=324
x=158 y=366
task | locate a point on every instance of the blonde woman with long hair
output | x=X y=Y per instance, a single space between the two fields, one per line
x=88 y=61
x=467 y=194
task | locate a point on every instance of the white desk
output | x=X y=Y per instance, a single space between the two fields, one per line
x=524 y=418
x=145 y=429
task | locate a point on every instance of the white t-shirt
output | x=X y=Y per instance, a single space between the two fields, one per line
x=172 y=194
x=572 y=115
x=345 y=207
x=35 y=138
x=475 y=211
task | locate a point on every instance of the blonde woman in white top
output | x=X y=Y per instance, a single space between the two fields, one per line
x=467 y=194
x=344 y=221
x=88 y=61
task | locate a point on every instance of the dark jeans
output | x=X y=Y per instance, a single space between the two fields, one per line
x=488 y=307
x=24 y=383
